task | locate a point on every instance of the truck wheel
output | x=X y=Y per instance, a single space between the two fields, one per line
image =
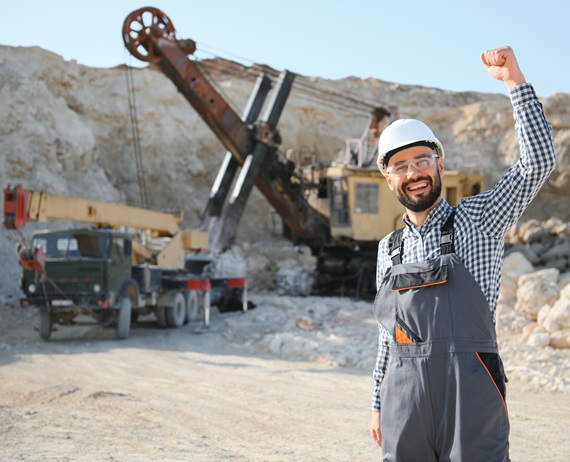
x=192 y=306
x=160 y=313
x=123 y=326
x=176 y=313
x=45 y=324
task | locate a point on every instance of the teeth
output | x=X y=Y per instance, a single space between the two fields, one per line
x=422 y=185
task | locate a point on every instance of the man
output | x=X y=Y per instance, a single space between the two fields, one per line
x=439 y=385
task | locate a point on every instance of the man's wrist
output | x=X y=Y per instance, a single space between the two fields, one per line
x=522 y=94
x=514 y=83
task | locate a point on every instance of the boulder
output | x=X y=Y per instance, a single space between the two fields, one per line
x=514 y=266
x=536 y=290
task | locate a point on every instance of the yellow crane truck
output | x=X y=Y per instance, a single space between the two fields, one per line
x=129 y=262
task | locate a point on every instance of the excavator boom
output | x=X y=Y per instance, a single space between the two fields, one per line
x=150 y=36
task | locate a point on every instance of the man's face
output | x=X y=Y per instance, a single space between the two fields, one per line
x=416 y=189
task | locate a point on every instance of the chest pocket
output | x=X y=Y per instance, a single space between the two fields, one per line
x=432 y=277
x=428 y=278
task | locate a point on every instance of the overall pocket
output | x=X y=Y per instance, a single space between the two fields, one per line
x=494 y=367
x=406 y=281
x=403 y=333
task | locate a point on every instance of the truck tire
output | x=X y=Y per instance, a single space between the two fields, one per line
x=46 y=323
x=193 y=308
x=160 y=313
x=176 y=313
x=123 y=327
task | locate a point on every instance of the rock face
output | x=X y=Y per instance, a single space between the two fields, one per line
x=65 y=129
x=544 y=244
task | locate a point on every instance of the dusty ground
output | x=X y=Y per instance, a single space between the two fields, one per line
x=173 y=395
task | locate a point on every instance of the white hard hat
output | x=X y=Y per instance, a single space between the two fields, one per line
x=405 y=133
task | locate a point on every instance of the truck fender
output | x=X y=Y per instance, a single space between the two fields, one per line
x=130 y=289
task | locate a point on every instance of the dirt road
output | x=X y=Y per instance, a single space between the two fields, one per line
x=173 y=395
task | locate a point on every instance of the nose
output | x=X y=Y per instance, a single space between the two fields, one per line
x=412 y=169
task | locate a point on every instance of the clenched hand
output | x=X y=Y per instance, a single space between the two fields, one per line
x=502 y=64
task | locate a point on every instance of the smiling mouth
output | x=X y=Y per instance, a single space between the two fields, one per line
x=418 y=186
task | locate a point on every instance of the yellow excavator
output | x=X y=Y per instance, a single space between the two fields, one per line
x=339 y=209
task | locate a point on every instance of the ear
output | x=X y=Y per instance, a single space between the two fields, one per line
x=390 y=182
x=440 y=165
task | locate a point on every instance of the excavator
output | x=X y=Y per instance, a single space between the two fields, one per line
x=129 y=262
x=340 y=209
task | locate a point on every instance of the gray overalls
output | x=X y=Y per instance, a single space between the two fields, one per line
x=444 y=388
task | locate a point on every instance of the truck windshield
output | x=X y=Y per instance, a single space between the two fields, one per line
x=73 y=245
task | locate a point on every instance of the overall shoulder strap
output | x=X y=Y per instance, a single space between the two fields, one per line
x=395 y=246
x=447 y=237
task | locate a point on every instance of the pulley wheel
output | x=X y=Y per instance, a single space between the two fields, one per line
x=137 y=27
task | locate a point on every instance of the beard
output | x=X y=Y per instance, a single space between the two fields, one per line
x=423 y=203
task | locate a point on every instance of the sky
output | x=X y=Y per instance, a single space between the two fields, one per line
x=414 y=42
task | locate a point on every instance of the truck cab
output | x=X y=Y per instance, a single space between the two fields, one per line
x=85 y=272
x=85 y=267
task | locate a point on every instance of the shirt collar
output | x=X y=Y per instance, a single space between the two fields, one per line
x=438 y=214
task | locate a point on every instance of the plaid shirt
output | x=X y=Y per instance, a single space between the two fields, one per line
x=480 y=221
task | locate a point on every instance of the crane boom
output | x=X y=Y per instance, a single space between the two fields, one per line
x=22 y=205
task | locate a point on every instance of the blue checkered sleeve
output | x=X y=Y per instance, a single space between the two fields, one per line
x=381 y=364
x=496 y=210
x=480 y=221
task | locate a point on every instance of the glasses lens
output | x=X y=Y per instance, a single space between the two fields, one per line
x=420 y=164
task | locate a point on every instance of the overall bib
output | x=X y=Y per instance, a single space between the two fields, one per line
x=443 y=394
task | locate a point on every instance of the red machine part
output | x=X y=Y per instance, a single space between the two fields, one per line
x=32 y=258
x=235 y=283
x=16 y=201
x=199 y=284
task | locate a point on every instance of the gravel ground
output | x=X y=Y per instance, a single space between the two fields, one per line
x=287 y=381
